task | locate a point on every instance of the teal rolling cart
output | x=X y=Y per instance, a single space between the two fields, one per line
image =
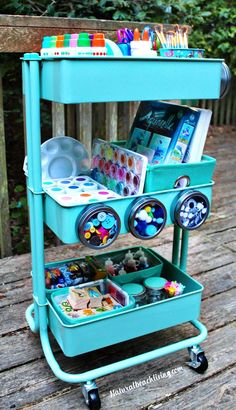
x=106 y=79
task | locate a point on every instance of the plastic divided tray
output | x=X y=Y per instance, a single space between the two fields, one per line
x=69 y=272
x=154 y=268
x=63 y=307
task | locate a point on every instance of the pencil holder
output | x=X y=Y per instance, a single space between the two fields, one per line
x=182 y=52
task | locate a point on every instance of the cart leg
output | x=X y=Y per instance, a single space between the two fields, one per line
x=184 y=250
x=33 y=324
x=198 y=360
x=175 y=246
x=91 y=396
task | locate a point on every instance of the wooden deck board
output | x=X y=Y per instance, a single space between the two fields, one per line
x=28 y=383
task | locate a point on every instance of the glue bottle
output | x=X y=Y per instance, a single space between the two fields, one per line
x=141 y=48
x=109 y=266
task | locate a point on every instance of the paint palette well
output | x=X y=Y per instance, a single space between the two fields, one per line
x=62 y=157
x=121 y=170
x=77 y=191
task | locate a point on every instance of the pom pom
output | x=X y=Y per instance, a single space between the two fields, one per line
x=173 y=288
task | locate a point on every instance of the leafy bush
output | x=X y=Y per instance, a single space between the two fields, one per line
x=213 y=22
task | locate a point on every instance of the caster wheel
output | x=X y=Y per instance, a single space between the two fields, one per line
x=200 y=365
x=94 y=402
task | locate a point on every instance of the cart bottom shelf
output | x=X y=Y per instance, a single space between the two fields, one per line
x=80 y=338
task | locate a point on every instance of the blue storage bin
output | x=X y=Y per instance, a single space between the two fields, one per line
x=118 y=327
x=99 y=79
x=63 y=220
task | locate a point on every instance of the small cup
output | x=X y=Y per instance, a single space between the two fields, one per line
x=73 y=189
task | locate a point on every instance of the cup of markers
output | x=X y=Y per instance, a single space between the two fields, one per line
x=136 y=44
x=174 y=43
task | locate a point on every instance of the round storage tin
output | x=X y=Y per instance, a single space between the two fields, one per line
x=146 y=218
x=137 y=291
x=155 y=289
x=98 y=226
x=191 y=210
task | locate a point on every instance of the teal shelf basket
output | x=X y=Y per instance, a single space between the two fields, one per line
x=130 y=78
x=162 y=177
x=118 y=327
x=63 y=220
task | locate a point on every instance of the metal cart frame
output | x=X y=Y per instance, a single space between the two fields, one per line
x=37 y=312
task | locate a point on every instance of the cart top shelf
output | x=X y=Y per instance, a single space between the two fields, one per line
x=106 y=79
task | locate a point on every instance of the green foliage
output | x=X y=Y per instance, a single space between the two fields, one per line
x=213 y=22
x=19 y=220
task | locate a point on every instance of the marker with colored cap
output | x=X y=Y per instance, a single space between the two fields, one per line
x=73 y=45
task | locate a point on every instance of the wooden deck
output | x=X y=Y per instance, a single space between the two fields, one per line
x=26 y=380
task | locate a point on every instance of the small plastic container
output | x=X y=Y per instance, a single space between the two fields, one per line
x=98 y=226
x=155 y=289
x=137 y=291
x=146 y=218
x=191 y=210
x=161 y=177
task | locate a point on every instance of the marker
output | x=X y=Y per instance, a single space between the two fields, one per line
x=145 y=36
x=136 y=35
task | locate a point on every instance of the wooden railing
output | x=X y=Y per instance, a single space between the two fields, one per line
x=111 y=121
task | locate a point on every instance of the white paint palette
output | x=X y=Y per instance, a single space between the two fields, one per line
x=75 y=191
x=62 y=157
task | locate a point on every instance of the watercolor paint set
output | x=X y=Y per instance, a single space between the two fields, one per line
x=119 y=169
x=76 y=191
x=66 y=170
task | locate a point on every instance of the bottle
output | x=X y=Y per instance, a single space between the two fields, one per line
x=143 y=263
x=141 y=48
x=109 y=266
x=138 y=254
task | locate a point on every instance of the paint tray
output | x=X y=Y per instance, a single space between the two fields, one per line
x=119 y=169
